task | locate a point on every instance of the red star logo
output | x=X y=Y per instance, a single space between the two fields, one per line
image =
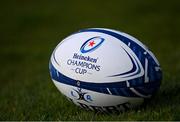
x=91 y=43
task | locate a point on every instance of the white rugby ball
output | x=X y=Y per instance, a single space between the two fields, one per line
x=104 y=70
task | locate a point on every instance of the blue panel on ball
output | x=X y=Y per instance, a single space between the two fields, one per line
x=119 y=88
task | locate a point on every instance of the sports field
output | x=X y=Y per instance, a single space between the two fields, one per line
x=30 y=30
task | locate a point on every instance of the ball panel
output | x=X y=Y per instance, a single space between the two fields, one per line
x=118 y=88
x=119 y=61
x=90 y=99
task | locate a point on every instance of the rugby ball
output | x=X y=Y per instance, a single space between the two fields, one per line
x=104 y=70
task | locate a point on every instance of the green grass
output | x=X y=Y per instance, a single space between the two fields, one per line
x=30 y=30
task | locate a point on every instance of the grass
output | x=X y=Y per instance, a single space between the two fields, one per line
x=31 y=29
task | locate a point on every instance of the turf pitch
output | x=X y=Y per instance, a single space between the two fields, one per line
x=31 y=29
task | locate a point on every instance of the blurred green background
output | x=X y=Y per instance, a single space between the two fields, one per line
x=30 y=30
